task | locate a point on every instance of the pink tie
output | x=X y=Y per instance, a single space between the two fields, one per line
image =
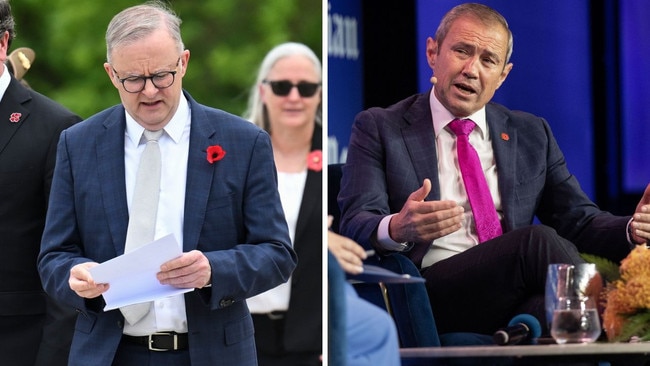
x=480 y=199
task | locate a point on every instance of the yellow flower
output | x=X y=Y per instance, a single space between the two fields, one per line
x=636 y=292
x=637 y=263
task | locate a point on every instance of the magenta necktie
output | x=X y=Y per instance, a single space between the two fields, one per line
x=480 y=199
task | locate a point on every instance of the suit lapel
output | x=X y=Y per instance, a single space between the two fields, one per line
x=504 y=143
x=420 y=141
x=313 y=193
x=199 y=175
x=12 y=112
x=110 y=167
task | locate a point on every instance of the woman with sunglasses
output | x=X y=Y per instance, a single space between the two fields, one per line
x=286 y=102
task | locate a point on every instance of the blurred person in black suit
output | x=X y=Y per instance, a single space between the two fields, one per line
x=33 y=329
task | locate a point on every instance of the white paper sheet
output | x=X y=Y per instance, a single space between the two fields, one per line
x=132 y=276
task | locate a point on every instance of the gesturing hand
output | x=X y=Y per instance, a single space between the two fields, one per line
x=424 y=221
x=641 y=224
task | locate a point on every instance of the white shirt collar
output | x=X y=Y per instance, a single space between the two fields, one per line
x=5 y=79
x=174 y=128
x=441 y=116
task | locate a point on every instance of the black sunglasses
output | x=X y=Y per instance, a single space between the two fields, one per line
x=282 y=88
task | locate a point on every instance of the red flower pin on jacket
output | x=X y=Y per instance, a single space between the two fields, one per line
x=315 y=160
x=15 y=117
x=215 y=153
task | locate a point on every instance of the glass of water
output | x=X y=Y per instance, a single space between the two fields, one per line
x=575 y=320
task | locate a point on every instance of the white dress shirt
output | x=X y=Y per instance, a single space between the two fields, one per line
x=291 y=187
x=451 y=183
x=166 y=314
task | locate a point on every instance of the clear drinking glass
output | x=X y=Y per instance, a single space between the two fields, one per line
x=570 y=280
x=575 y=320
x=555 y=288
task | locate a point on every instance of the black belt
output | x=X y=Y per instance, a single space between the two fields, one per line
x=163 y=341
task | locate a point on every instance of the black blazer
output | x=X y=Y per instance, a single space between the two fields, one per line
x=30 y=125
x=303 y=322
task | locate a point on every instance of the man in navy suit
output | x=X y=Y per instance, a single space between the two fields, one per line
x=402 y=190
x=218 y=197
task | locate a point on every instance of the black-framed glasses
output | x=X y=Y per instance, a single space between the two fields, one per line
x=136 y=84
x=282 y=88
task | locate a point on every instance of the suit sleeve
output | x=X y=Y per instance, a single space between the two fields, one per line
x=60 y=248
x=564 y=206
x=363 y=197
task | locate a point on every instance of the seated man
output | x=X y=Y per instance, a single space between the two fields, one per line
x=406 y=187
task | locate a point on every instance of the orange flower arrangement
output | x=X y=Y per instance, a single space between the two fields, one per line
x=627 y=311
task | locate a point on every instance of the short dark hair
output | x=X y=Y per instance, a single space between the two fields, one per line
x=7 y=23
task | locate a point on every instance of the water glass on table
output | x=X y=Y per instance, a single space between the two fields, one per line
x=575 y=320
x=572 y=293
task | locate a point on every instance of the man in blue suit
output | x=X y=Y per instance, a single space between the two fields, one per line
x=218 y=197
x=402 y=189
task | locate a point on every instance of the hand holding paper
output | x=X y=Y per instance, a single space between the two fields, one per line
x=82 y=282
x=132 y=276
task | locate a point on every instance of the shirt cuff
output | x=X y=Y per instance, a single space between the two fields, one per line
x=385 y=241
x=628 y=233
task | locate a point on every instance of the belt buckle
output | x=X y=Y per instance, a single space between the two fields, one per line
x=152 y=348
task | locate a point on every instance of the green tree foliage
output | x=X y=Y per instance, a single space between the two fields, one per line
x=227 y=40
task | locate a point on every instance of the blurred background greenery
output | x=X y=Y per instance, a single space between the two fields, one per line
x=227 y=40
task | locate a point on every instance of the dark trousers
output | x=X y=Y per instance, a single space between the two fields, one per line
x=130 y=354
x=481 y=289
x=20 y=336
x=271 y=350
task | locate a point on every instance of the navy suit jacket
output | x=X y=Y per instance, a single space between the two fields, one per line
x=392 y=151
x=232 y=214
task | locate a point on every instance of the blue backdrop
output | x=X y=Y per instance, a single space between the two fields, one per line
x=552 y=77
x=345 y=74
x=635 y=93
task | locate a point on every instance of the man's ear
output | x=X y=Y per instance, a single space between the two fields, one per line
x=4 y=46
x=432 y=52
x=111 y=75
x=504 y=74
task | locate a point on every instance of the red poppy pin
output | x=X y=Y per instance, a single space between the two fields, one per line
x=505 y=136
x=15 y=117
x=215 y=153
x=315 y=160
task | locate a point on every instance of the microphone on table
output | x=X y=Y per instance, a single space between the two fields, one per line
x=523 y=327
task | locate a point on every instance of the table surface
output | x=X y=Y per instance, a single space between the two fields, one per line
x=598 y=348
